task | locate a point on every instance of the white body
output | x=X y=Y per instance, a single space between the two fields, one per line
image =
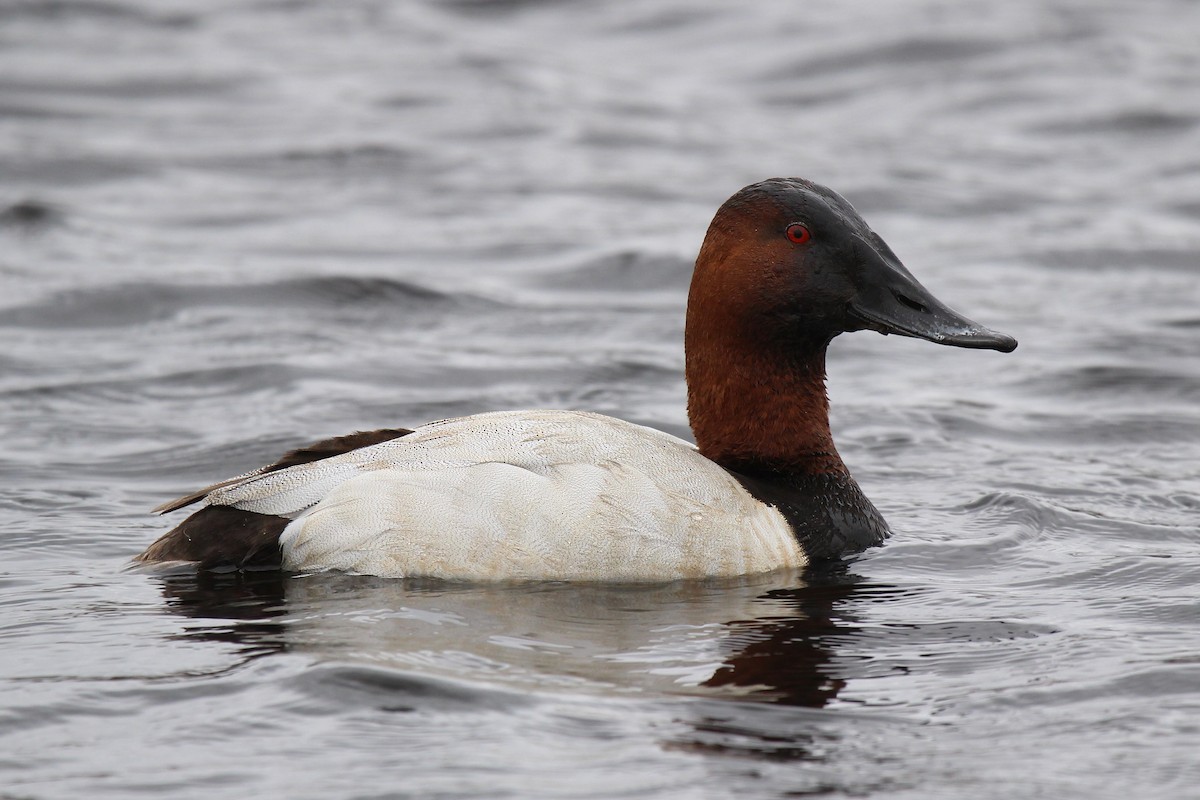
x=554 y=495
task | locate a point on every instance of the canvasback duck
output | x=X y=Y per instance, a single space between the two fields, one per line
x=786 y=266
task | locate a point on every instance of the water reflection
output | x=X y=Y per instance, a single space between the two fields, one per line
x=772 y=639
x=788 y=659
x=245 y=604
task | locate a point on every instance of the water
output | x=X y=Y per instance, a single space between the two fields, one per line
x=231 y=228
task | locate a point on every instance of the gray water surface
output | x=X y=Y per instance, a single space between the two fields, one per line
x=230 y=228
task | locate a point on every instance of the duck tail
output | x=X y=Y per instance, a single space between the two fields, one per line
x=221 y=538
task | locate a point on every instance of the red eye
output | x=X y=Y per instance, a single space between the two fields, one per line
x=798 y=233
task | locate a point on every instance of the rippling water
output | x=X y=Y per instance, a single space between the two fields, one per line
x=229 y=228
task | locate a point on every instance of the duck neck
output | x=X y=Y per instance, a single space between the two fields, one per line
x=761 y=408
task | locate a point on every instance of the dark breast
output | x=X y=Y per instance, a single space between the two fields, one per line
x=829 y=515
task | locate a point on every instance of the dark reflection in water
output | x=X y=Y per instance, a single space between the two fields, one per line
x=787 y=659
x=247 y=602
x=783 y=651
x=735 y=737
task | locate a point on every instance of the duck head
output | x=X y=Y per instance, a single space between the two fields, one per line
x=786 y=266
x=787 y=260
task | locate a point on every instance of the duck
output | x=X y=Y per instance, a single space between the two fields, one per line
x=785 y=266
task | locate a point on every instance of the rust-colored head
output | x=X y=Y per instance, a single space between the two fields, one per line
x=786 y=266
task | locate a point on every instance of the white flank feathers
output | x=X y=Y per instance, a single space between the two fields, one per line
x=555 y=495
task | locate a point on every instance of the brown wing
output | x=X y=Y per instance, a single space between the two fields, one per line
x=301 y=455
x=336 y=446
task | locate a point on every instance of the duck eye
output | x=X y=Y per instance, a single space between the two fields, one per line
x=798 y=233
